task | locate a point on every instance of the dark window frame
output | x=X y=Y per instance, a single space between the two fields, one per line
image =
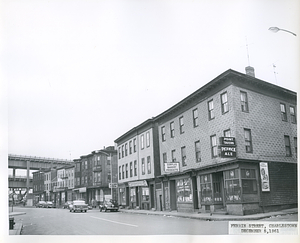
x=248 y=141
x=211 y=114
x=244 y=103
x=283 y=112
x=181 y=125
x=224 y=104
x=172 y=129
x=287 y=143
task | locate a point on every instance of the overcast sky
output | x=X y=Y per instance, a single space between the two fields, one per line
x=79 y=74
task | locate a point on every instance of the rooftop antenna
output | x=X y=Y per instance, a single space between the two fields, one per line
x=247 y=51
x=274 y=69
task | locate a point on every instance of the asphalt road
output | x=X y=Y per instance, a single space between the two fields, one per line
x=44 y=221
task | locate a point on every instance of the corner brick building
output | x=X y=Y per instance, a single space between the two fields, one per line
x=231 y=147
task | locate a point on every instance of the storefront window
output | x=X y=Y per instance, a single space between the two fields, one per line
x=122 y=196
x=145 y=194
x=184 y=192
x=232 y=185
x=206 y=188
x=249 y=182
x=132 y=195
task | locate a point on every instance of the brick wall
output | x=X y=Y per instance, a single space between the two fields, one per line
x=283 y=185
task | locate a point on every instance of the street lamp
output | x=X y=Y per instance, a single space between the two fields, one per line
x=276 y=29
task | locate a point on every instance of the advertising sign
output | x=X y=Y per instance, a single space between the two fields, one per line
x=137 y=183
x=171 y=167
x=227 y=140
x=113 y=185
x=227 y=147
x=264 y=175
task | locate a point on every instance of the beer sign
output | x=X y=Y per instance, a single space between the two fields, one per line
x=227 y=147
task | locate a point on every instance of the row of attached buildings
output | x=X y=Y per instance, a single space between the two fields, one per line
x=230 y=146
x=89 y=178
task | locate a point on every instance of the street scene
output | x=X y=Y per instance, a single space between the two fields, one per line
x=145 y=118
x=44 y=221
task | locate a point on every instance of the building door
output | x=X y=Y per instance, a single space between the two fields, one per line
x=195 y=192
x=173 y=198
x=159 y=200
x=217 y=179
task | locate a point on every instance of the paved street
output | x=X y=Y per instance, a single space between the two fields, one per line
x=43 y=221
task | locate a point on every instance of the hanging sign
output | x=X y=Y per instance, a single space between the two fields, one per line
x=264 y=175
x=227 y=147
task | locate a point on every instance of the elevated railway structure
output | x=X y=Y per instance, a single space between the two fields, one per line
x=30 y=163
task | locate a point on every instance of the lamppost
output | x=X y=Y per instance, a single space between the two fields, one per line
x=276 y=29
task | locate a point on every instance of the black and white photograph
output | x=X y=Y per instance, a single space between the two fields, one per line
x=149 y=121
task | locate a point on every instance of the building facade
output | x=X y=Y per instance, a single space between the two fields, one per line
x=38 y=178
x=230 y=146
x=95 y=175
x=138 y=166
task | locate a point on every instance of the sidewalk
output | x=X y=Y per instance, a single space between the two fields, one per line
x=211 y=217
x=18 y=226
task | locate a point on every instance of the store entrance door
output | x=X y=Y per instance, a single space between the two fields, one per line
x=217 y=179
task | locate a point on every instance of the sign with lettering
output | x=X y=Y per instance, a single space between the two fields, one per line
x=228 y=151
x=137 y=183
x=171 y=167
x=227 y=140
x=264 y=175
x=113 y=185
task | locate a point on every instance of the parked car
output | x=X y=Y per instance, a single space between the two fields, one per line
x=111 y=205
x=78 y=205
x=49 y=204
x=67 y=204
x=40 y=204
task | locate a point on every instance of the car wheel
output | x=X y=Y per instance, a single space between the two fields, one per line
x=105 y=209
x=70 y=210
x=85 y=211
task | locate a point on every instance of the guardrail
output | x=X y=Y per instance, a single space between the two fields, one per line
x=38 y=159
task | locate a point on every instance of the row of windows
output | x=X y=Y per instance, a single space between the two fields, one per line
x=214 y=147
x=125 y=173
x=124 y=151
x=224 y=109
x=284 y=113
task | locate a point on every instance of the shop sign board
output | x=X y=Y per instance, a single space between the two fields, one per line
x=113 y=185
x=137 y=183
x=171 y=167
x=264 y=175
x=228 y=151
x=82 y=189
x=227 y=147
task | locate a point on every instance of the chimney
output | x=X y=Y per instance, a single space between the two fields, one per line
x=250 y=71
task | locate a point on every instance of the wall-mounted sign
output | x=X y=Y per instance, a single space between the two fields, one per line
x=227 y=140
x=228 y=151
x=113 y=185
x=82 y=189
x=137 y=183
x=264 y=176
x=171 y=167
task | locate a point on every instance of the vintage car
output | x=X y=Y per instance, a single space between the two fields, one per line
x=67 y=204
x=78 y=206
x=40 y=204
x=49 y=204
x=111 y=205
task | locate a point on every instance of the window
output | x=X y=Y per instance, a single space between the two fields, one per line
x=197 y=151
x=85 y=165
x=135 y=168
x=122 y=151
x=249 y=183
x=295 y=143
x=214 y=148
x=130 y=147
x=123 y=171
x=195 y=117
x=181 y=124
x=283 y=112
x=134 y=145
x=163 y=133
x=131 y=169
x=165 y=157
x=206 y=188
x=120 y=173
x=149 y=165
x=184 y=192
x=143 y=166
x=183 y=156
x=227 y=133
x=293 y=114
x=126 y=149
x=232 y=185
x=142 y=141
x=147 y=139
x=132 y=195
x=172 y=130
x=224 y=103
x=211 y=114
x=287 y=146
x=244 y=102
x=173 y=155
x=86 y=181
x=126 y=170
x=248 y=141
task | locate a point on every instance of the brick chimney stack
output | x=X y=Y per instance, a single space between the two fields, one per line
x=250 y=71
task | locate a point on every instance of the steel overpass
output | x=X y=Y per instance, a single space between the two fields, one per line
x=30 y=163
